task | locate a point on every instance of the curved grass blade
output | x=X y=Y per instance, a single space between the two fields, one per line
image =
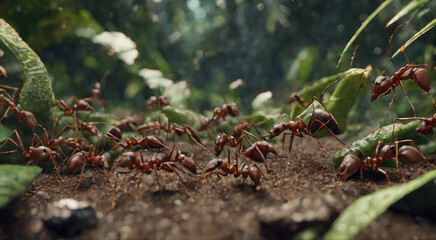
x=365 y=209
x=14 y=180
x=364 y=24
x=416 y=36
x=415 y=4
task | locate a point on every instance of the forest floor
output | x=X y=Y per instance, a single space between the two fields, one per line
x=307 y=195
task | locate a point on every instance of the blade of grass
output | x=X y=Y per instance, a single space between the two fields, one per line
x=415 y=4
x=364 y=24
x=416 y=36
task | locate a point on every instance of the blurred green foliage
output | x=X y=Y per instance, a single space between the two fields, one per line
x=271 y=45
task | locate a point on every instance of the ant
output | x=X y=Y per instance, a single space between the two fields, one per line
x=130 y=161
x=410 y=154
x=79 y=159
x=222 y=168
x=383 y=85
x=157 y=101
x=80 y=105
x=256 y=152
x=426 y=127
x=40 y=154
x=226 y=109
x=96 y=91
x=244 y=126
x=298 y=128
x=152 y=142
x=24 y=117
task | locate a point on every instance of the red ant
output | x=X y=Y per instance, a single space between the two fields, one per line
x=152 y=142
x=157 y=101
x=130 y=161
x=223 y=111
x=39 y=154
x=298 y=128
x=79 y=159
x=24 y=117
x=383 y=85
x=80 y=105
x=426 y=127
x=222 y=168
x=3 y=72
x=243 y=126
x=256 y=152
x=151 y=127
x=96 y=91
x=410 y=154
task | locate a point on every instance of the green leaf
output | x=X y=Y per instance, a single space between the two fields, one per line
x=413 y=5
x=365 y=209
x=364 y=24
x=4 y=132
x=420 y=201
x=416 y=36
x=345 y=95
x=14 y=179
x=307 y=93
x=182 y=116
x=368 y=144
x=36 y=95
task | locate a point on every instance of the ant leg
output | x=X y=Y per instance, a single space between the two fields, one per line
x=390 y=106
x=387 y=177
x=81 y=174
x=340 y=78
x=193 y=139
x=389 y=45
x=407 y=97
x=289 y=152
x=397 y=162
x=325 y=126
x=57 y=170
x=158 y=183
x=178 y=175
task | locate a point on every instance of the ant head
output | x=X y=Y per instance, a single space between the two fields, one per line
x=424 y=128
x=349 y=166
x=212 y=165
x=233 y=109
x=380 y=86
x=277 y=129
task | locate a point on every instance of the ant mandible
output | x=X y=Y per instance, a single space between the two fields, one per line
x=410 y=154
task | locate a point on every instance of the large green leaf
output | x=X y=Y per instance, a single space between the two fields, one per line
x=345 y=95
x=14 y=180
x=36 y=95
x=365 y=209
x=364 y=24
x=416 y=36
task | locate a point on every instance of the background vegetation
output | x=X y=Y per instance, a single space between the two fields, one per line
x=277 y=46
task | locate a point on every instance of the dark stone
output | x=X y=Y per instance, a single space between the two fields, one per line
x=68 y=217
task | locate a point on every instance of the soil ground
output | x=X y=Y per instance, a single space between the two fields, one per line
x=225 y=208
